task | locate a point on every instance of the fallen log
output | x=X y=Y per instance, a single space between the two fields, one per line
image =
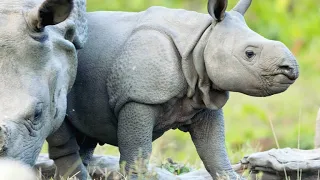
x=282 y=164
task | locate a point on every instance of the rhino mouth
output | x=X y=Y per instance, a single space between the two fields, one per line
x=290 y=76
x=279 y=78
x=284 y=79
x=275 y=83
x=284 y=74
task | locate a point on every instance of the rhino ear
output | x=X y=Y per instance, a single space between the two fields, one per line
x=51 y=12
x=217 y=9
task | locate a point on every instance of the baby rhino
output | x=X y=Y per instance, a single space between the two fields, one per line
x=141 y=74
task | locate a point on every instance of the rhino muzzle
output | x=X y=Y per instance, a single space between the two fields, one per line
x=289 y=71
x=289 y=68
x=280 y=64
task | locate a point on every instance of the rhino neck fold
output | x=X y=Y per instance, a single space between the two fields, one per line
x=200 y=88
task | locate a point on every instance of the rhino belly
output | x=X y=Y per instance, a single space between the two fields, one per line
x=98 y=126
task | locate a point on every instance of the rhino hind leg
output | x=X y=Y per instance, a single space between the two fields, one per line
x=87 y=146
x=64 y=151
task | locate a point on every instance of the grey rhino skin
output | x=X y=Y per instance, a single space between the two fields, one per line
x=141 y=74
x=38 y=63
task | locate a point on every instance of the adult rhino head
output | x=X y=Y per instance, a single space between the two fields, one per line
x=238 y=59
x=38 y=61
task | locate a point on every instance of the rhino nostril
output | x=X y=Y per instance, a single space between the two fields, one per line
x=285 y=67
x=288 y=71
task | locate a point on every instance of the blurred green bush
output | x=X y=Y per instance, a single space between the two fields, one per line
x=294 y=22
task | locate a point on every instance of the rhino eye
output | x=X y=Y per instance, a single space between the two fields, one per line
x=250 y=54
x=38 y=111
x=37 y=114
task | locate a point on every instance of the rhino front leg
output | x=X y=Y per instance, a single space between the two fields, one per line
x=208 y=136
x=135 y=128
x=64 y=150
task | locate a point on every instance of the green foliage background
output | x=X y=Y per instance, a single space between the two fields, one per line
x=294 y=22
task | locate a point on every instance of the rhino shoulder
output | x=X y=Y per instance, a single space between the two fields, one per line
x=147 y=70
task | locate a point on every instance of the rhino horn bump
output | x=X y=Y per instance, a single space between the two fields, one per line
x=242 y=6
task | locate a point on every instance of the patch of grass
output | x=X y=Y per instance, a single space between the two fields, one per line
x=175 y=168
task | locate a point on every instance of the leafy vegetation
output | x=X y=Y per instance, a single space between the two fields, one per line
x=295 y=23
x=175 y=168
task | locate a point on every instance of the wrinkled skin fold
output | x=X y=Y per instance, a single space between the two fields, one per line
x=38 y=62
x=141 y=74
